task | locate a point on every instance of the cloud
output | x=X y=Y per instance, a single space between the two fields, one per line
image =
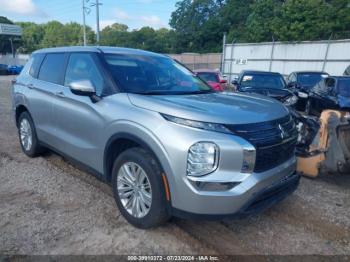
x=21 y=7
x=105 y=23
x=120 y=14
x=146 y=20
x=153 y=21
x=145 y=1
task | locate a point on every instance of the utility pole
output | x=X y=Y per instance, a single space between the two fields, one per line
x=97 y=4
x=84 y=26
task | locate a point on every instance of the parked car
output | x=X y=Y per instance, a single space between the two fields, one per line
x=330 y=93
x=213 y=78
x=347 y=71
x=303 y=81
x=166 y=142
x=265 y=83
x=14 y=69
x=3 y=69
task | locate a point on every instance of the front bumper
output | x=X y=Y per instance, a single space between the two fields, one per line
x=260 y=201
x=237 y=199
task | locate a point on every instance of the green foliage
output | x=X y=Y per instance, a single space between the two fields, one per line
x=145 y=38
x=198 y=26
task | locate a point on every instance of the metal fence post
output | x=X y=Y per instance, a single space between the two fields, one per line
x=223 y=53
x=194 y=62
x=326 y=54
x=231 y=60
x=272 y=51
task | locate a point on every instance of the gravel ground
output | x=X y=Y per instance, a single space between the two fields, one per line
x=47 y=206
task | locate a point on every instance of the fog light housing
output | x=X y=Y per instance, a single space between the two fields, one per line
x=249 y=156
x=203 y=158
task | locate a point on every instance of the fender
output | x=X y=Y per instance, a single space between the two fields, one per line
x=139 y=134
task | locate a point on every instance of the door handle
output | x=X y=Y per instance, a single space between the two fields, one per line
x=30 y=86
x=60 y=94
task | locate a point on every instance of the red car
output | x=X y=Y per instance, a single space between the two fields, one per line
x=213 y=78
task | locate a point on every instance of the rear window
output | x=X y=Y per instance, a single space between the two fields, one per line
x=34 y=69
x=274 y=81
x=207 y=76
x=52 y=68
x=309 y=80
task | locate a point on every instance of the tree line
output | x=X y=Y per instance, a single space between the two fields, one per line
x=198 y=26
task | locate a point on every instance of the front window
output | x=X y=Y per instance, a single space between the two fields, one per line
x=262 y=81
x=208 y=77
x=344 y=87
x=309 y=80
x=153 y=75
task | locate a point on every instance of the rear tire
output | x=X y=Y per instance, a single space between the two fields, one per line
x=138 y=188
x=27 y=136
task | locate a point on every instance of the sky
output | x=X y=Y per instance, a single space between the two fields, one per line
x=134 y=13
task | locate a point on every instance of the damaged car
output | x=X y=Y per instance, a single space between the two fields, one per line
x=270 y=84
x=302 y=82
x=330 y=93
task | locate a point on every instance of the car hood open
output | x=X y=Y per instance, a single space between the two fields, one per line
x=224 y=108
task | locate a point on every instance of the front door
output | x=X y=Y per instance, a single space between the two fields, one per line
x=78 y=121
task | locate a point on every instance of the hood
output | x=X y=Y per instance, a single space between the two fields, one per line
x=224 y=108
x=279 y=94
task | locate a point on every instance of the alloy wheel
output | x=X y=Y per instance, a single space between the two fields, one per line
x=26 y=134
x=134 y=189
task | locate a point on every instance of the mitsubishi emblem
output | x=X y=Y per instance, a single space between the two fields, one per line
x=284 y=134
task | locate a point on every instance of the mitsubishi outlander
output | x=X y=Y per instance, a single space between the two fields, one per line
x=168 y=144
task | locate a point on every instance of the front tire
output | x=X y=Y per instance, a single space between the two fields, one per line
x=138 y=188
x=27 y=136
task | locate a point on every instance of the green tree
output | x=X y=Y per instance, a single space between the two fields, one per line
x=32 y=35
x=197 y=25
x=261 y=22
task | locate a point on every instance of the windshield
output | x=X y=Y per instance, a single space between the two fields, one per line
x=207 y=76
x=263 y=81
x=309 y=80
x=144 y=74
x=344 y=87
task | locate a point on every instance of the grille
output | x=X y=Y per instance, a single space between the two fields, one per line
x=274 y=141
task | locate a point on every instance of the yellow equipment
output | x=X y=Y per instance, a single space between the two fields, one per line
x=329 y=151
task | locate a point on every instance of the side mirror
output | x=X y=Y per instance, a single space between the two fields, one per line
x=223 y=81
x=292 y=85
x=82 y=88
x=234 y=82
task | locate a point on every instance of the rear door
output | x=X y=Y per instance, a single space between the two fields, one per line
x=47 y=74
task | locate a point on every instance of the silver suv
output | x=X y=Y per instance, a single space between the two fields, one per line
x=166 y=142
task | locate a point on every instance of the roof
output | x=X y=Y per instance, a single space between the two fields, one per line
x=259 y=72
x=205 y=70
x=311 y=72
x=340 y=77
x=99 y=49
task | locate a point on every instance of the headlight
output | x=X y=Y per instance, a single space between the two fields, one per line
x=196 y=124
x=249 y=156
x=290 y=100
x=203 y=158
x=303 y=95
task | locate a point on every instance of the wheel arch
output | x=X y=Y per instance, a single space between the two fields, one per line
x=19 y=110
x=120 y=142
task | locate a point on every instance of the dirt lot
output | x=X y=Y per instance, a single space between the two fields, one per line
x=47 y=206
